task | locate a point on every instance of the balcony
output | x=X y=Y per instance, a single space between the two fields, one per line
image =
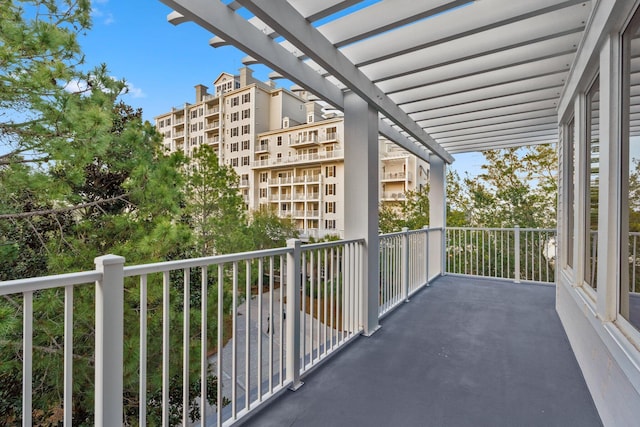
x=329 y=137
x=466 y=350
x=299 y=159
x=389 y=196
x=311 y=179
x=212 y=125
x=304 y=141
x=396 y=176
x=262 y=148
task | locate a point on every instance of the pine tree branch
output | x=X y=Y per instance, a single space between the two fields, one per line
x=63 y=210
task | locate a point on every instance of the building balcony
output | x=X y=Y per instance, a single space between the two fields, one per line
x=212 y=125
x=179 y=134
x=280 y=180
x=309 y=179
x=329 y=137
x=214 y=140
x=306 y=141
x=389 y=196
x=244 y=183
x=262 y=148
x=178 y=121
x=211 y=111
x=299 y=159
x=397 y=176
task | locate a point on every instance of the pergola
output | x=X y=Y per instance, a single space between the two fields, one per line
x=441 y=77
x=451 y=76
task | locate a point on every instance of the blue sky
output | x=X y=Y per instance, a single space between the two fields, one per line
x=162 y=62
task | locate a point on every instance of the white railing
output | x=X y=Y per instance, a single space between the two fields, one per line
x=225 y=332
x=404 y=265
x=519 y=254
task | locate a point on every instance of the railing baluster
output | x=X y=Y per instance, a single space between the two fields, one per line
x=220 y=343
x=234 y=342
x=186 y=314
x=260 y=326
x=142 y=406
x=204 y=361
x=247 y=337
x=68 y=356
x=165 y=348
x=27 y=358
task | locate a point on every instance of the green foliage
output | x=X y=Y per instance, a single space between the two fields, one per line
x=268 y=230
x=215 y=208
x=518 y=187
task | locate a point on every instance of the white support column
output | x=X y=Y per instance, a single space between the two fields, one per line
x=609 y=188
x=109 y=341
x=361 y=196
x=437 y=210
x=294 y=283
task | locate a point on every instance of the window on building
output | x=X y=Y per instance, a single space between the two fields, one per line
x=246 y=113
x=330 y=224
x=234 y=101
x=245 y=145
x=234 y=147
x=234 y=117
x=194 y=114
x=200 y=139
x=246 y=129
x=279 y=156
x=194 y=127
x=264 y=176
x=329 y=189
x=234 y=131
x=200 y=111
x=246 y=98
x=234 y=162
x=330 y=171
x=161 y=123
x=168 y=122
x=200 y=126
x=244 y=178
x=245 y=161
x=263 y=193
x=330 y=207
x=279 y=141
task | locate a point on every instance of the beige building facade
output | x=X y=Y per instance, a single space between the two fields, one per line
x=288 y=154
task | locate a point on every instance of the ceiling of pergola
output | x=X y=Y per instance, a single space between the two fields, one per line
x=451 y=76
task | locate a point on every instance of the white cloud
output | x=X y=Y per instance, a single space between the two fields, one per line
x=134 y=91
x=75 y=86
x=106 y=17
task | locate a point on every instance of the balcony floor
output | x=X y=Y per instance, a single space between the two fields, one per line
x=464 y=352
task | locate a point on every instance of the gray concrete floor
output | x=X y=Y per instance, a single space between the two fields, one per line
x=464 y=352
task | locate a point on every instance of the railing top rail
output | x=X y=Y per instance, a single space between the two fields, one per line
x=49 y=282
x=323 y=245
x=420 y=230
x=553 y=230
x=159 y=267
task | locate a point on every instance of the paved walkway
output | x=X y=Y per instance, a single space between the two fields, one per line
x=464 y=352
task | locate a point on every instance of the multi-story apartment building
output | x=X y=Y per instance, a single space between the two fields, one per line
x=288 y=155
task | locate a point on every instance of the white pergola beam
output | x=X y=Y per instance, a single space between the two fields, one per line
x=558 y=24
x=499 y=113
x=458 y=111
x=466 y=21
x=224 y=22
x=287 y=21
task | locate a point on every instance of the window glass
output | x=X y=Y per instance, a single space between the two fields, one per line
x=592 y=170
x=570 y=165
x=630 y=176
